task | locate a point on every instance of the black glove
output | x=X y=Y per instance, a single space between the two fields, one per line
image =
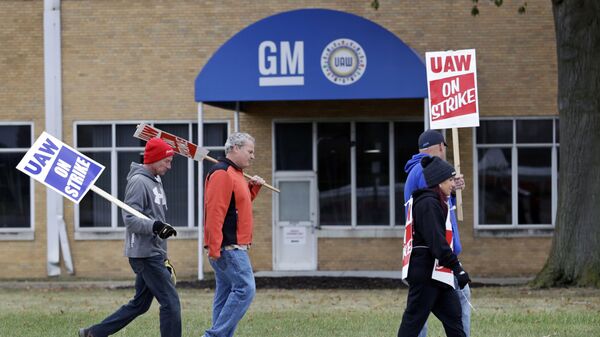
x=163 y=230
x=463 y=279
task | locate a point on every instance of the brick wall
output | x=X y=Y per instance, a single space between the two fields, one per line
x=137 y=60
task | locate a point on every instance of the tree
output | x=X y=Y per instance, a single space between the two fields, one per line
x=575 y=254
x=574 y=258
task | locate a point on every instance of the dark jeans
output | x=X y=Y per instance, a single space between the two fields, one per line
x=152 y=280
x=426 y=297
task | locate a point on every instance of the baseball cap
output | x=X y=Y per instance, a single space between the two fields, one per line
x=429 y=138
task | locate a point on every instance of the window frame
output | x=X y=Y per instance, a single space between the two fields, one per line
x=514 y=229
x=114 y=231
x=353 y=230
x=23 y=233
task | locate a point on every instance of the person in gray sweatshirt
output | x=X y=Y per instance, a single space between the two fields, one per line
x=146 y=247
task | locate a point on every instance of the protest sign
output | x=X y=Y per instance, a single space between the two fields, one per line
x=60 y=167
x=452 y=88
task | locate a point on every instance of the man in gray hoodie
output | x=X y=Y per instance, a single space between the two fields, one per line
x=146 y=247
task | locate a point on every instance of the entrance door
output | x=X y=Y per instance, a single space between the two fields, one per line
x=295 y=238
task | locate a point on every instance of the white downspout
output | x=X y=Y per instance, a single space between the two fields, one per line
x=55 y=224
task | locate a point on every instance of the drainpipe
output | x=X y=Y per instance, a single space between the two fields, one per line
x=55 y=224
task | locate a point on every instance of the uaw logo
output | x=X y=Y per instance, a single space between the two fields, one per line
x=343 y=61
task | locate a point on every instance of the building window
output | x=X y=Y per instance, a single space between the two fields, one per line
x=16 y=188
x=516 y=161
x=113 y=145
x=357 y=164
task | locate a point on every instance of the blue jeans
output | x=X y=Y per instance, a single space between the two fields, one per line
x=152 y=280
x=464 y=295
x=235 y=289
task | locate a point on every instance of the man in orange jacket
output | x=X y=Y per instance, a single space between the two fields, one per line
x=228 y=233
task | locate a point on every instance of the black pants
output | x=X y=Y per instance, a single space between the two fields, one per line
x=152 y=280
x=426 y=297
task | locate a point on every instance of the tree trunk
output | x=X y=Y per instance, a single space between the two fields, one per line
x=575 y=255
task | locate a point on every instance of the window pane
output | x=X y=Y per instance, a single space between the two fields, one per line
x=215 y=134
x=94 y=210
x=557 y=131
x=495 y=132
x=294 y=201
x=175 y=184
x=406 y=136
x=14 y=136
x=179 y=130
x=94 y=136
x=372 y=174
x=125 y=136
x=293 y=146
x=124 y=160
x=333 y=160
x=534 y=131
x=15 y=196
x=495 y=186
x=535 y=186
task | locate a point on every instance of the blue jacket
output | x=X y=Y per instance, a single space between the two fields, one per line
x=416 y=181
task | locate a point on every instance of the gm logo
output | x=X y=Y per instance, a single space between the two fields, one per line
x=281 y=65
x=343 y=61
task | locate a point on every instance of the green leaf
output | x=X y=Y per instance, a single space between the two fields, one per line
x=523 y=8
x=375 y=4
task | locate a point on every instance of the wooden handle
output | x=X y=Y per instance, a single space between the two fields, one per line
x=209 y=158
x=456 y=152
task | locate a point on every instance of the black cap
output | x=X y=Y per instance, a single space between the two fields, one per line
x=429 y=138
x=436 y=170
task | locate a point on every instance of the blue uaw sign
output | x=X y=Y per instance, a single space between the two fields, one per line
x=60 y=167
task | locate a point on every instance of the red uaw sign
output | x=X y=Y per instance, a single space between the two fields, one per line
x=408 y=239
x=452 y=86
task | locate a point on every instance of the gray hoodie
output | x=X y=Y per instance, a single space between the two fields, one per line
x=144 y=192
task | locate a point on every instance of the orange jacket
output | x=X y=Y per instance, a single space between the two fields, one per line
x=227 y=207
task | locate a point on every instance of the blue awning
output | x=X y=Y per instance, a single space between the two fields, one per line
x=312 y=54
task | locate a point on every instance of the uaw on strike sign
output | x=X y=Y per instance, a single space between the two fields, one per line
x=60 y=167
x=452 y=87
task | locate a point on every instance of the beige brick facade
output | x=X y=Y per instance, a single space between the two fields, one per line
x=136 y=60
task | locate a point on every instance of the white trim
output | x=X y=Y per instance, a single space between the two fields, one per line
x=361 y=232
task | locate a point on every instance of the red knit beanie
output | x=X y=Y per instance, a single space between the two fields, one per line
x=157 y=149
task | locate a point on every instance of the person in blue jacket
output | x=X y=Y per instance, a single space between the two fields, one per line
x=432 y=143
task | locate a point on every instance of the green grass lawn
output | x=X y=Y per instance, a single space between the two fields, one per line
x=507 y=311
